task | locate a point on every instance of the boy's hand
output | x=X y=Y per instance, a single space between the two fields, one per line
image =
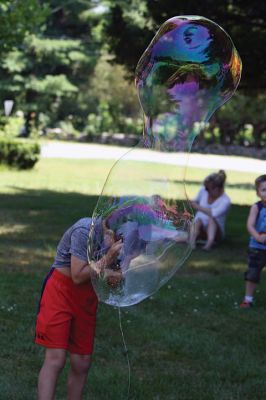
x=262 y=238
x=113 y=277
x=107 y=260
x=113 y=252
x=109 y=237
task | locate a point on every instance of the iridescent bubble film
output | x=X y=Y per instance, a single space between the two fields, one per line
x=190 y=68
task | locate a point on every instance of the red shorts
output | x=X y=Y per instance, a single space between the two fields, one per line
x=67 y=315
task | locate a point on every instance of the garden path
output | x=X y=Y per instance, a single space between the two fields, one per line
x=54 y=149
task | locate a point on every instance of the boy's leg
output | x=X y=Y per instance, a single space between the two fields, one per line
x=80 y=346
x=250 y=287
x=252 y=275
x=79 y=367
x=53 y=364
x=249 y=292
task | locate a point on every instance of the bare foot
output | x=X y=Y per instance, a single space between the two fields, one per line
x=192 y=244
x=206 y=247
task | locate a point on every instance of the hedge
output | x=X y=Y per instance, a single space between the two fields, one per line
x=19 y=153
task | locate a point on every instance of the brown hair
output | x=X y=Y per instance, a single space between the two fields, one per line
x=259 y=180
x=217 y=179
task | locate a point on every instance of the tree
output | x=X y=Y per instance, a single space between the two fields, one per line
x=51 y=68
x=128 y=35
x=130 y=27
x=17 y=18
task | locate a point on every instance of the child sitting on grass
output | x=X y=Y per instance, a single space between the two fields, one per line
x=256 y=225
x=212 y=205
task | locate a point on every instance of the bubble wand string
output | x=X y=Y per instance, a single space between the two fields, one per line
x=125 y=350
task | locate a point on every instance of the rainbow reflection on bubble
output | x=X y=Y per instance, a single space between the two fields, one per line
x=190 y=68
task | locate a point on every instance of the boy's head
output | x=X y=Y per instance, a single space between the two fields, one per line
x=260 y=185
x=259 y=180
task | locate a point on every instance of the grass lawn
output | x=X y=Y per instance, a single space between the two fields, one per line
x=189 y=341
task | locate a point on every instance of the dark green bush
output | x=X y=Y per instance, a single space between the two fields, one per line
x=19 y=153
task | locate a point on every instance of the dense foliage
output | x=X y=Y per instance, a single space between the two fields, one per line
x=16 y=19
x=240 y=121
x=69 y=66
x=45 y=74
x=139 y=19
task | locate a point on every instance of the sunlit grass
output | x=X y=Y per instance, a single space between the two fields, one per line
x=89 y=176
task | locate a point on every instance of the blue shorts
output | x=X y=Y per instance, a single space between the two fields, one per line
x=256 y=262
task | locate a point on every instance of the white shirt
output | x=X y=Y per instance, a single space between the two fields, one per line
x=219 y=208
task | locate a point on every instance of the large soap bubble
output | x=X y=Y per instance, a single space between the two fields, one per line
x=190 y=68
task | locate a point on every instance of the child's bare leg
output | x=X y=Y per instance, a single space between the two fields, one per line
x=250 y=288
x=248 y=299
x=79 y=367
x=53 y=364
x=194 y=232
x=211 y=233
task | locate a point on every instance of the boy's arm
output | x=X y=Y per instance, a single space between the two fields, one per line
x=81 y=271
x=251 y=221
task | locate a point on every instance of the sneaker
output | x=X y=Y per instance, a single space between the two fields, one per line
x=246 y=304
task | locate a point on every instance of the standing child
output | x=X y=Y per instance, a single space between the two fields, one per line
x=67 y=313
x=256 y=225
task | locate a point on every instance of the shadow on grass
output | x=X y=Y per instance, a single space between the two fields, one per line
x=32 y=222
x=45 y=208
x=199 y=337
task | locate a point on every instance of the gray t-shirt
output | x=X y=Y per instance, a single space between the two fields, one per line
x=74 y=242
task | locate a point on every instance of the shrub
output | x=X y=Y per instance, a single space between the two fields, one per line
x=19 y=153
x=10 y=126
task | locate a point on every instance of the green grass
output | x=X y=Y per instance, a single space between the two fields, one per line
x=88 y=176
x=188 y=342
